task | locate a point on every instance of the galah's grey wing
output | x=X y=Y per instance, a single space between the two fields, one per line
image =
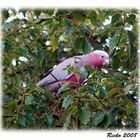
x=60 y=72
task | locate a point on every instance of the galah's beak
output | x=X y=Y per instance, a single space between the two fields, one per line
x=106 y=62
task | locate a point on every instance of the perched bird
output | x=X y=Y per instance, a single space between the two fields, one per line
x=60 y=75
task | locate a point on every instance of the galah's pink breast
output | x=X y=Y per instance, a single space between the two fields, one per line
x=72 y=79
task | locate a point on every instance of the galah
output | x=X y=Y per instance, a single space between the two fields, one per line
x=60 y=75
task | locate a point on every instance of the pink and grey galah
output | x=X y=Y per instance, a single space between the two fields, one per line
x=60 y=75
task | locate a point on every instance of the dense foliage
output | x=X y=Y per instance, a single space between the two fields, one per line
x=36 y=40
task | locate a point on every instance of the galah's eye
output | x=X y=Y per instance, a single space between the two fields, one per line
x=102 y=56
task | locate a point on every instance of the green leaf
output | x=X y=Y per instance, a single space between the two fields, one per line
x=70 y=31
x=54 y=43
x=12 y=90
x=99 y=116
x=103 y=38
x=113 y=91
x=22 y=120
x=64 y=87
x=67 y=101
x=129 y=87
x=108 y=120
x=79 y=15
x=5 y=14
x=68 y=119
x=5 y=98
x=23 y=51
x=101 y=16
x=86 y=46
x=50 y=96
x=7 y=25
x=40 y=54
x=70 y=69
x=84 y=115
x=12 y=105
x=131 y=36
x=83 y=75
x=89 y=68
x=86 y=30
x=115 y=38
x=49 y=119
x=129 y=52
x=131 y=19
x=78 y=42
x=115 y=62
x=115 y=110
x=49 y=12
x=115 y=18
x=93 y=17
x=30 y=117
x=130 y=107
x=103 y=92
x=91 y=90
x=132 y=39
x=7 y=46
x=29 y=100
x=18 y=80
x=37 y=12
